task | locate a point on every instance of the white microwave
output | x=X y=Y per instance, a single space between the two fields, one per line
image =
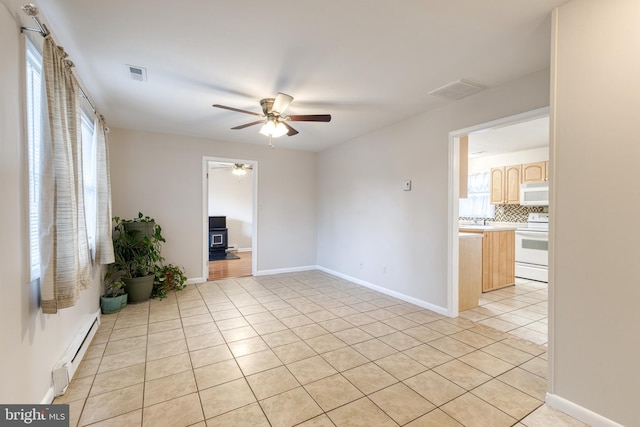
x=534 y=194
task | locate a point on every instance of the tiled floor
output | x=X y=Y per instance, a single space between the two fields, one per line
x=311 y=349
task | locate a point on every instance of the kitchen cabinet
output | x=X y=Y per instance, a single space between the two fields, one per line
x=498 y=257
x=505 y=185
x=534 y=172
x=469 y=270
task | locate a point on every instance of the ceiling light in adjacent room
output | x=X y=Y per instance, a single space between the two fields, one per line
x=238 y=169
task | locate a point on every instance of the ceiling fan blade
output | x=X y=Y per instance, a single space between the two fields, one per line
x=246 y=125
x=292 y=131
x=281 y=102
x=235 y=109
x=310 y=118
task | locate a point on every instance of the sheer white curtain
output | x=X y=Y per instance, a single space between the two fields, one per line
x=65 y=257
x=104 y=244
x=477 y=205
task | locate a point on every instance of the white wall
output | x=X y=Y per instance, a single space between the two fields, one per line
x=484 y=164
x=365 y=216
x=30 y=342
x=161 y=175
x=595 y=155
x=232 y=196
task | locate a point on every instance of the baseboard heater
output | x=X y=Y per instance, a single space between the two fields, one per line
x=67 y=366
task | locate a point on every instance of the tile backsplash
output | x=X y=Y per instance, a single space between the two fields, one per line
x=511 y=213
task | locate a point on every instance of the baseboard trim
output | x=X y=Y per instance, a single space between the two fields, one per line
x=286 y=270
x=578 y=412
x=49 y=396
x=400 y=296
x=195 y=280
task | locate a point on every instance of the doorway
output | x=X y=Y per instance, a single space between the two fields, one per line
x=229 y=206
x=454 y=190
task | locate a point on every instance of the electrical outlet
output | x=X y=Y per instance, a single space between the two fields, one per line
x=406 y=185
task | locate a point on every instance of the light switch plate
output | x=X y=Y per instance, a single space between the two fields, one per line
x=406 y=185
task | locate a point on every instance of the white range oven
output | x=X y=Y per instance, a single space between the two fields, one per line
x=532 y=248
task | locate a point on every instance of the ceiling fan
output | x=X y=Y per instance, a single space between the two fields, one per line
x=273 y=120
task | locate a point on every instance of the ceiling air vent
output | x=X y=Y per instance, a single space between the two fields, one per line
x=458 y=89
x=138 y=74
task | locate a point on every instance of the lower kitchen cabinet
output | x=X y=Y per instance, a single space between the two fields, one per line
x=498 y=258
x=469 y=270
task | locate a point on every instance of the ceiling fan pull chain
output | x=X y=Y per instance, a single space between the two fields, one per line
x=271 y=142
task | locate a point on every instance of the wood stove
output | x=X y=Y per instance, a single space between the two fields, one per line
x=218 y=237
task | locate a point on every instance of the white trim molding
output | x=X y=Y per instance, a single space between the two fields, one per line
x=285 y=270
x=403 y=297
x=578 y=412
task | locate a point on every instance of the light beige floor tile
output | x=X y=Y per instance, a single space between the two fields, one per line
x=199 y=342
x=427 y=355
x=546 y=416
x=435 y=388
x=369 y=378
x=165 y=337
x=290 y=408
x=247 y=346
x=423 y=334
x=536 y=366
x=280 y=338
x=217 y=373
x=311 y=369
x=122 y=360
x=435 y=418
x=473 y=339
x=219 y=313
x=400 y=366
x=168 y=366
x=165 y=350
x=197 y=320
x=165 y=325
x=298 y=320
x=506 y=398
x=293 y=352
x=361 y=413
x=269 y=327
x=507 y=353
x=352 y=335
x=526 y=346
x=452 y=347
x=257 y=362
x=378 y=329
x=319 y=421
x=530 y=335
x=210 y=355
x=247 y=416
x=489 y=332
x=77 y=390
x=400 y=341
x=130 y=419
x=200 y=329
x=344 y=358
x=117 y=379
x=233 y=323
x=120 y=334
x=112 y=404
x=462 y=374
x=400 y=323
x=325 y=343
x=88 y=368
x=226 y=397
x=444 y=327
x=359 y=319
x=487 y=363
x=401 y=403
x=527 y=382
x=169 y=388
x=178 y=412
x=501 y=325
x=283 y=313
x=421 y=317
x=238 y=334
x=473 y=411
x=332 y=392
x=374 y=349
x=309 y=331
x=271 y=382
x=95 y=351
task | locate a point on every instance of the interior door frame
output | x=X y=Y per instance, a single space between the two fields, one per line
x=454 y=193
x=205 y=211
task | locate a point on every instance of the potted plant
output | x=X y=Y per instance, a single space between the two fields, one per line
x=169 y=277
x=114 y=297
x=137 y=255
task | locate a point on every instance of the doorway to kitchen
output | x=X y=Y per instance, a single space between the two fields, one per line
x=229 y=218
x=509 y=151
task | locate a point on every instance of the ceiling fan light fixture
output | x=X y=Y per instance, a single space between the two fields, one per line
x=273 y=128
x=238 y=169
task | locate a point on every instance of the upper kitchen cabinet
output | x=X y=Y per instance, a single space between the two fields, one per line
x=535 y=172
x=505 y=185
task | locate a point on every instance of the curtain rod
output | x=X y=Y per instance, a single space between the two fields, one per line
x=32 y=11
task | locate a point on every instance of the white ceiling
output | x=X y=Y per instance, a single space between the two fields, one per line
x=369 y=63
x=511 y=138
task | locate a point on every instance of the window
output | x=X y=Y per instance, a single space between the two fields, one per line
x=477 y=204
x=34 y=124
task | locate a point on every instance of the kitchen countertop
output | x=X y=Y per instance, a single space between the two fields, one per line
x=464 y=235
x=489 y=227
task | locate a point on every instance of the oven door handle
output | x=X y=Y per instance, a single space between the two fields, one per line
x=540 y=234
